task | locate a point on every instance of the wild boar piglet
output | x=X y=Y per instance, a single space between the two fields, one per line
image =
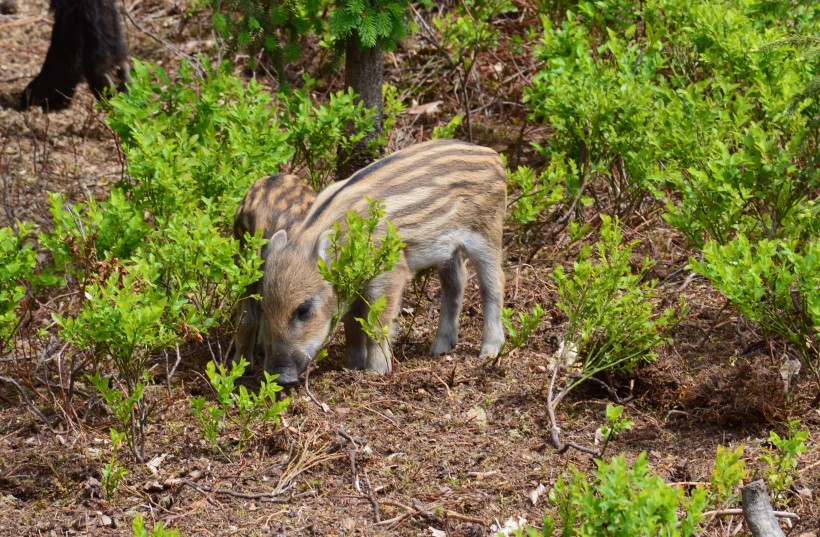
x=447 y=198
x=272 y=203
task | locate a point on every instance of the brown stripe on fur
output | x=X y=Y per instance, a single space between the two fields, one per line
x=393 y=175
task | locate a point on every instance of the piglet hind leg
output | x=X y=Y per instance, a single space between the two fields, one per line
x=453 y=276
x=486 y=257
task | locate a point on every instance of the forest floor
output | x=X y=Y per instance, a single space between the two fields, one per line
x=451 y=446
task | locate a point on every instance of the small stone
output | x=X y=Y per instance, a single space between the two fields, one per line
x=153 y=486
x=536 y=493
x=478 y=416
x=92 y=488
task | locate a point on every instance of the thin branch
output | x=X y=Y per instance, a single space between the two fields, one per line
x=31 y=405
x=272 y=497
x=732 y=512
x=195 y=63
x=321 y=405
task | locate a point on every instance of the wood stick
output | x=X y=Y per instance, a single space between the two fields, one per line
x=758 y=511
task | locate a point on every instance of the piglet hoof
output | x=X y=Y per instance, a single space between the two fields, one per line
x=379 y=361
x=490 y=349
x=442 y=346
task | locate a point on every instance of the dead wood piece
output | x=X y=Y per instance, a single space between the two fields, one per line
x=758 y=511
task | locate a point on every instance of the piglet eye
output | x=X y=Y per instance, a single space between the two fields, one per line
x=304 y=311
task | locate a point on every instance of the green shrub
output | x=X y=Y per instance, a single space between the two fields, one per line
x=624 y=499
x=189 y=140
x=755 y=183
x=247 y=410
x=467 y=29
x=533 y=194
x=319 y=133
x=517 y=336
x=729 y=472
x=601 y=100
x=18 y=259
x=87 y=234
x=138 y=529
x=122 y=321
x=612 y=324
x=781 y=459
x=691 y=102
x=774 y=283
x=356 y=257
x=112 y=471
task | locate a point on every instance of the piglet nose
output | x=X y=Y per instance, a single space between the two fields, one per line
x=287 y=377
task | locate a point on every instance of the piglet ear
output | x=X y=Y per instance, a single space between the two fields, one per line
x=323 y=246
x=277 y=243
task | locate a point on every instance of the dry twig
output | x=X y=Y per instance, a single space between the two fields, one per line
x=426 y=513
x=31 y=405
x=366 y=491
x=261 y=496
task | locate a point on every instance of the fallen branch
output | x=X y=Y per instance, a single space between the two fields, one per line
x=371 y=497
x=552 y=402
x=757 y=509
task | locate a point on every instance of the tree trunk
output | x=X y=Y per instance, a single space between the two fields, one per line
x=757 y=509
x=364 y=71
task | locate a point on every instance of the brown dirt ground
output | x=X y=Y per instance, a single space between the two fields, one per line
x=453 y=446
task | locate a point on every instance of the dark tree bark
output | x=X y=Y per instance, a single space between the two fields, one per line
x=86 y=42
x=364 y=72
x=757 y=509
